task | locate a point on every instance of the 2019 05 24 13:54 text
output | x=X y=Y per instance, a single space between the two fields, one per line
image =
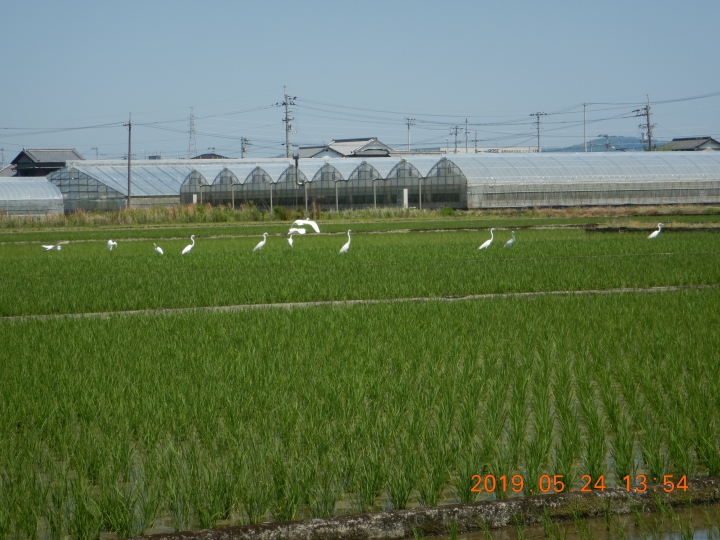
x=556 y=484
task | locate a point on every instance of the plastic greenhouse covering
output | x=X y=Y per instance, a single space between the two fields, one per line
x=457 y=180
x=29 y=196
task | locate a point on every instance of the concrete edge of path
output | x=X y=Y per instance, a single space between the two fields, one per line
x=325 y=303
x=469 y=517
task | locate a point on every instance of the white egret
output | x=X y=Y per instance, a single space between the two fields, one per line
x=290 y=240
x=301 y=222
x=655 y=233
x=487 y=243
x=509 y=243
x=346 y=246
x=111 y=244
x=58 y=247
x=158 y=249
x=188 y=248
x=297 y=231
x=262 y=242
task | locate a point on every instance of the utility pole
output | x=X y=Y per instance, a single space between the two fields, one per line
x=96 y=151
x=538 y=114
x=476 y=141
x=2 y=159
x=454 y=131
x=585 y=124
x=244 y=143
x=192 y=145
x=607 y=141
x=286 y=102
x=129 y=190
x=466 y=136
x=645 y=111
x=409 y=122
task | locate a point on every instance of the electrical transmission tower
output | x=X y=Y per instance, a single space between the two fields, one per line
x=645 y=111
x=192 y=145
x=244 y=143
x=454 y=131
x=538 y=114
x=409 y=122
x=287 y=102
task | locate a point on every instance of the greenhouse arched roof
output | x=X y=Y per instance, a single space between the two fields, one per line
x=24 y=188
x=587 y=167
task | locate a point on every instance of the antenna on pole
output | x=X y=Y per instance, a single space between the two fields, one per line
x=454 y=131
x=645 y=111
x=244 y=143
x=538 y=114
x=2 y=159
x=192 y=145
x=287 y=102
x=409 y=122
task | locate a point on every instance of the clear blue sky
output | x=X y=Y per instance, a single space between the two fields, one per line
x=357 y=69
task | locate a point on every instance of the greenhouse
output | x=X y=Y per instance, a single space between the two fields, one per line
x=431 y=181
x=29 y=196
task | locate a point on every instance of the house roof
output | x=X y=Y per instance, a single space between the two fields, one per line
x=364 y=147
x=8 y=170
x=693 y=143
x=48 y=155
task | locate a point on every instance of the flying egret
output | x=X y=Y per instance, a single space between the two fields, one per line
x=158 y=249
x=509 y=243
x=655 y=233
x=290 y=240
x=301 y=222
x=262 y=242
x=188 y=248
x=346 y=246
x=487 y=243
x=111 y=244
x=296 y=231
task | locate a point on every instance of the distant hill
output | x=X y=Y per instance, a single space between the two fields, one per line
x=617 y=143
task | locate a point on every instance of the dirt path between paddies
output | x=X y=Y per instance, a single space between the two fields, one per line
x=369 y=301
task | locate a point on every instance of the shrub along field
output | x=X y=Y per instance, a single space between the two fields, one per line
x=111 y=423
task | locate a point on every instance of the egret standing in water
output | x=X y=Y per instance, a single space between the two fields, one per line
x=290 y=240
x=158 y=249
x=487 y=243
x=347 y=245
x=262 y=242
x=188 y=248
x=510 y=242
x=301 y=222
x=111 y=244
x=654 y=234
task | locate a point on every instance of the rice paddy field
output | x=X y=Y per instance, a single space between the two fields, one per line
x=173 y=418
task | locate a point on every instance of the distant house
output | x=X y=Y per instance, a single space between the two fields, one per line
x=692 y=144
x=210 y=155
x=43 y=161
x=349 y=148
